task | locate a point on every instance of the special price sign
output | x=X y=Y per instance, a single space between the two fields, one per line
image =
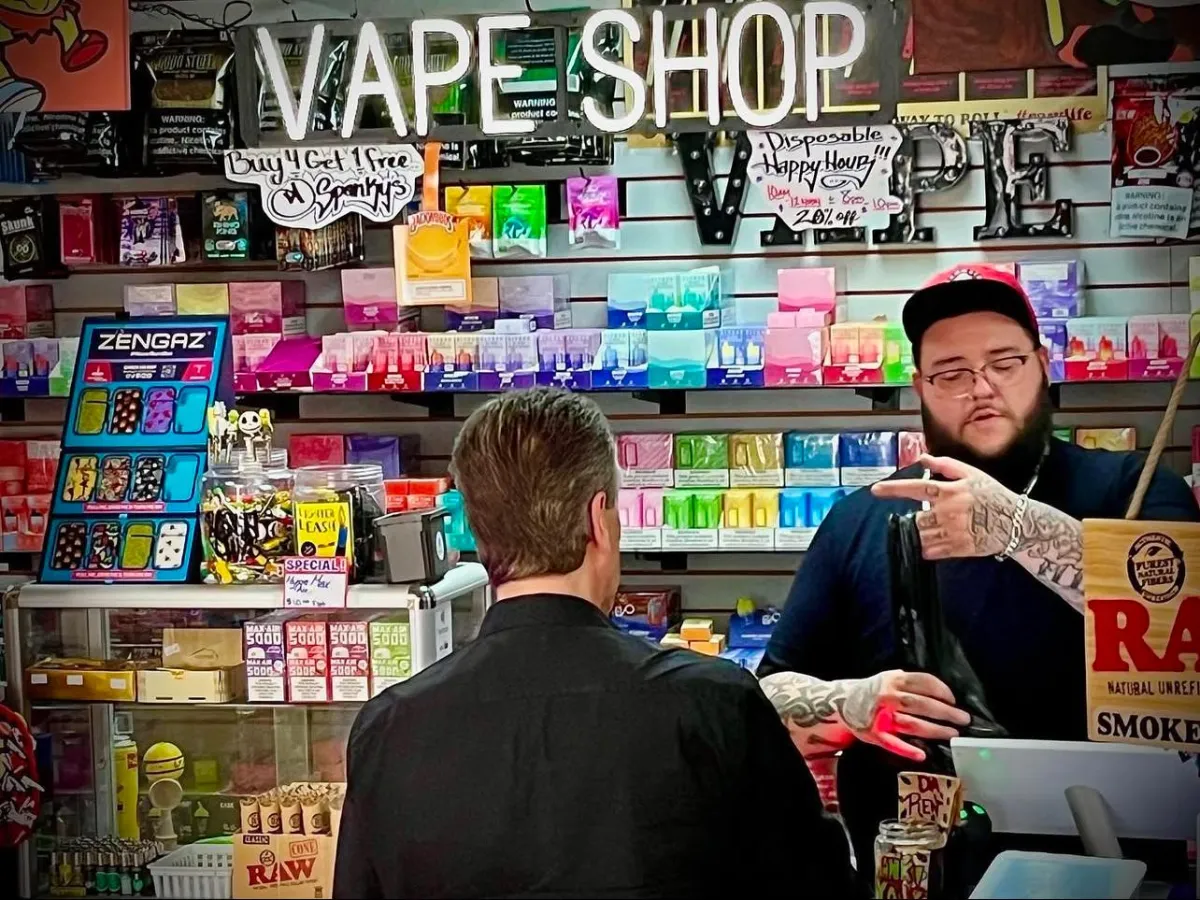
x=309 y=187
x=315 y=582
x=1141 y=583
x=828 y=177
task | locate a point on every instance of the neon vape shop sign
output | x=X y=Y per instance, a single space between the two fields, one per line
x=722 y=33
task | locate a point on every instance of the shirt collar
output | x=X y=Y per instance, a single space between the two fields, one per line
x=538 y=610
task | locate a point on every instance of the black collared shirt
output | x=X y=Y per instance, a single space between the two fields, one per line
x=555 y=756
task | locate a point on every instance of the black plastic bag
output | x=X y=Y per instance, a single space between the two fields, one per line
x=923 y=640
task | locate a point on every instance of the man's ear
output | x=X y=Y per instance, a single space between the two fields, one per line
x=1043 y=356
x=598 y=525
x=918 y=384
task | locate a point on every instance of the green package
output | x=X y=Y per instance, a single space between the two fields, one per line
x=519 y=220
x=898 y=366
x=677 y=509
x=706 y=509
x=1065 y=434
x=701 y=451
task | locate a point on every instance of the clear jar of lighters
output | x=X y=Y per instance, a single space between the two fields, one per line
x=335 y=508
x=908 y=860
x=246 y=522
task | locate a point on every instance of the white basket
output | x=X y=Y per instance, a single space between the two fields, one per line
x=197 y=870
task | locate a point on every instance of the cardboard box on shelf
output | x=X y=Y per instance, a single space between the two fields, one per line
x=82 y=679
x=283 y=866
x=201 y=648
x=190 y=685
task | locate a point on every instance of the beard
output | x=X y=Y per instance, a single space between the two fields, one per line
x=1016 y=464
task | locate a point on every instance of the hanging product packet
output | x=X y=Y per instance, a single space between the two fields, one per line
x=519 y=221
x=329 y=95
x=593 y=212
x=473 y=203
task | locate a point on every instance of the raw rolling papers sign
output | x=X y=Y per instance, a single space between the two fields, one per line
x=1142 y=627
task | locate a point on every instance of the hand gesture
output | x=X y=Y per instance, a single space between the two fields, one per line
x=880 y=708
x=971 y=514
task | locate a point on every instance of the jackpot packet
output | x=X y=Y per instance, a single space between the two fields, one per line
x=593 y=212
x=519 y=220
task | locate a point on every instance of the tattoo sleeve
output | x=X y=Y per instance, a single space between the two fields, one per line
x=1051 y=549
x=821 y=716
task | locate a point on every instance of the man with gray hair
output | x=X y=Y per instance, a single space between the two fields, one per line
x=555 y=756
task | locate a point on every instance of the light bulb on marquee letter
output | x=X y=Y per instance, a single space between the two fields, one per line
x=423 y=79
x=369 y=48
x=733 y=56
x=295 y=116
x=814 y=62
x=662 y=65
x=490 y=74
x=636 y=105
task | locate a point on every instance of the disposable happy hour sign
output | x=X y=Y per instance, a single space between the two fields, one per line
x=315 y=582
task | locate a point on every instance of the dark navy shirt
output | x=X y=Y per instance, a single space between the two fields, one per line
x=1023 y=640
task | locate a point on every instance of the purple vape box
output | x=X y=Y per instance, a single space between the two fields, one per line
x=1055 y=288
x=383 y=449
x=1054 y=339
x=266 y=657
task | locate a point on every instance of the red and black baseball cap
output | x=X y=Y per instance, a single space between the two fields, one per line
x=967 y=288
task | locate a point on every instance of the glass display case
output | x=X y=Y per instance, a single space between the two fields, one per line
x=214 y=690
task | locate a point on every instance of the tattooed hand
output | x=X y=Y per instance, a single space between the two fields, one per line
x=972 y=515
x=828 y=715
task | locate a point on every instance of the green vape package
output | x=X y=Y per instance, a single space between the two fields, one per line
x=519 y=220
x=701 y=451
x=898 y=365
x=677 y=509
x=706 y=509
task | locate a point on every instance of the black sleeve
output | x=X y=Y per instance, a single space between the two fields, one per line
x=354 y=872
x=1168 y=498
x=796 y=848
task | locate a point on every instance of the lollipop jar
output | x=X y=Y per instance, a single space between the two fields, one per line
x=245 y=523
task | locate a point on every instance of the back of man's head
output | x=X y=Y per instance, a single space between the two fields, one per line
x=538 y=474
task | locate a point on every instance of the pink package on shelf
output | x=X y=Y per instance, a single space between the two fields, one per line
x=646 y=460
x=26 y=311
x=629 y=508
x=267 y=307
x=289 y=364
x=316 y=450
x=369 y=298
x=810 y=290
x=652 y=508
x=334 y=369
x=911 y=444
x=793 y=356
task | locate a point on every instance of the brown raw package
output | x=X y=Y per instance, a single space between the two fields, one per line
x=201 y=648
x=283 y=866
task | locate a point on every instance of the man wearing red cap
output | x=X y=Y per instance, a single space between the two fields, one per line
x=1003 y=505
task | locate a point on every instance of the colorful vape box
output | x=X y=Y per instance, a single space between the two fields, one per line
x=1096 y=349
x=391 y=651
x=677 y=359
x=481 y=312
x=898 y=364
x=544 y=300
x=910 y=446
x=866 y=457
x=811 y=291
x=794 y=354
x=1116 y=439
x=628 y=299
x=855 y=353
x=744 y=508
x=1068 y=435
x=702 y=460
x=267 y=307
x=26 y=311
x=1055 y=289
x=150 y=299
x=17 y=357
x=432 y=256
x=646 y=460
x=685 y=301
x=349 y=659
x=24 y=522
x=202 y=299
x=810 y=460
x=1053 y=334
x=266 y=657
x=752 y=630
x=45 y=356
x=379 y=449
x=369 y=298
x=83 y=237
x=41 y=463
x=629 y=508
x=621 y=359
x=307 y=642
x=748 y=311
x=316 y=450
x=736 y=357
x=650 y=611
x=1157 y=344
x=756 y=460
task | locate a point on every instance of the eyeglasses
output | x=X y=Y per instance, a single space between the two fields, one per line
x=1000 y=373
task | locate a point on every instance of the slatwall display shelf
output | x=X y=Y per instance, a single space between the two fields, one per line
x=459 y=581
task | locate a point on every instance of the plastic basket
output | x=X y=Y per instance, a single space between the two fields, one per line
x=197 y=870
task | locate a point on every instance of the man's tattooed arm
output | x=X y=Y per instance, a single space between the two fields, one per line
x=821 y=716
x=1051 y=548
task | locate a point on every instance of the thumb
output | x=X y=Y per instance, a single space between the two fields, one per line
x=946 y=466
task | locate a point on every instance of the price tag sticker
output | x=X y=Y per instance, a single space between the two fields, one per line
x=315 y=582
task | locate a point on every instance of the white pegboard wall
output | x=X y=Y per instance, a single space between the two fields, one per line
x=1123 y=278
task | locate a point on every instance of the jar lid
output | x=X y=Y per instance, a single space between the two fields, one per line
x=910 y=832
x=340 y=476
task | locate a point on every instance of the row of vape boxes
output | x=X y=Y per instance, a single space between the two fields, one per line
x=764 y=460
x=27 y=472
x=292 y=657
